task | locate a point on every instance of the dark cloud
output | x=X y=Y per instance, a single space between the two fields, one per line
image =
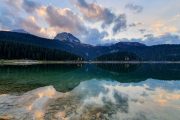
x=83 y=3
x=96 y=13
x=148 y=35
x=119 y=24
x=134 y=8
x=134 y=24
x=108 y=17
x=95 y=37
x=142 y=31
x=30 y=6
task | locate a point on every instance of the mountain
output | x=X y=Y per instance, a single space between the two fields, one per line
x=121 y=44
x=68 y=43
x=15 y=45
x=20 y=31
x=67 y=37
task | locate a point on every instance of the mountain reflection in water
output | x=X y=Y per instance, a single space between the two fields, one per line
x=65 y=77
x=101 y=91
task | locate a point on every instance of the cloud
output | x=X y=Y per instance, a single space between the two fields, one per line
x=119 y=24
x=150 y=39
x=134 y=8
x=15 y=4
x=161 y=28
x=41 y=11
x=135 y=24
x=175 y=18
x=142 y=31
x=148 y=35
x=30 y=24
x=19 y=5
x=56 y=20
x=6 y=22
x=94 y=36
x=47 y=21
x=108 y=17
x=163 y=39
x=16 y=19
x=65 y=20
x=8 y=19
x=96 y=13
x=29 y=6
x=13 y=20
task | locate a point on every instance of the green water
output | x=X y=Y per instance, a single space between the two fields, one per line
x=90 y=91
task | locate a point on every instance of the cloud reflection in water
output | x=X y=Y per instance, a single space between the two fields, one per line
x=96 y=99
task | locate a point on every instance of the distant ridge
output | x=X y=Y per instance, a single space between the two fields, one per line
x=20 y=31
x=130 y=43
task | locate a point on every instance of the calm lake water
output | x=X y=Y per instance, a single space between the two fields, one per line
x=90 y=92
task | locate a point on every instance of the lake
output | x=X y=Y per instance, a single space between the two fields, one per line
x=90 y=92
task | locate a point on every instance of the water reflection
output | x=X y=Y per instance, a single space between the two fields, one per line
x=17 y=79
x=102 y=91
x=94 y=99
x=144 y=71
x=119 y=68
x=24 y=78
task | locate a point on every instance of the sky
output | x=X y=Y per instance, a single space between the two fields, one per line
x=96 y=21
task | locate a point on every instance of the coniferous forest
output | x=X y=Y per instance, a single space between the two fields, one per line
x=15 y=50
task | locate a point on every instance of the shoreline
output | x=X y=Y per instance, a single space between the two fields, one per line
x=31 y=62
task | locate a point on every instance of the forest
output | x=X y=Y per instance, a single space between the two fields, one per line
x=16 y=50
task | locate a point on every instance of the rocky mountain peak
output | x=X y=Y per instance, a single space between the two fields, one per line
x=64 y=36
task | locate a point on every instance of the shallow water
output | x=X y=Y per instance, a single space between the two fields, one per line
x=89 y=92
